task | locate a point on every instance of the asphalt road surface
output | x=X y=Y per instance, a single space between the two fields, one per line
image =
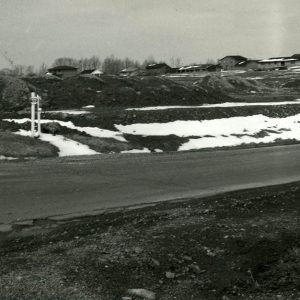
x=42 y=188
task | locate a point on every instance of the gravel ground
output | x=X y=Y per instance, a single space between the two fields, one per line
x=239 y=245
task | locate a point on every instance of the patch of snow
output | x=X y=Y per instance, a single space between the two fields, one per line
x=158 y=150
x=3 y=157
x=279 y=59
x=68 y=112
x=67 y=147
x=89 y=106
x=93 y=131
x=222 y=132
x=144 y=150
x=254 y=78
x=225 y=104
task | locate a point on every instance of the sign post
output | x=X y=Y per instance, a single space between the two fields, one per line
x=35 y=112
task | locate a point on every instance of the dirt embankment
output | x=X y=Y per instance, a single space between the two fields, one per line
x=240 y=245
x=78 y=91
x=232 y=83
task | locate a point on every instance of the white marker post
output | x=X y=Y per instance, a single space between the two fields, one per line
x=35 y=101
x=39 y=111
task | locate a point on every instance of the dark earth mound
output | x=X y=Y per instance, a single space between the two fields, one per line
x=76 y=92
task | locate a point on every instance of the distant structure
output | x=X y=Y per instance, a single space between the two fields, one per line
x=277 y=63
x=131 y=71
x=158 y=69
x=63 y=71
x=199 y=68
x=247 y=65
x=93 y=72
x=229 y=62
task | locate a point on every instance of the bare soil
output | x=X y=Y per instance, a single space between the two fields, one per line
x=238 y=245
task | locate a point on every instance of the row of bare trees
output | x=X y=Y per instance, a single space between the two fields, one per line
x=110 y=65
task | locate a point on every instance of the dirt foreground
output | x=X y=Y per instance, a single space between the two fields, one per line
x=239 y=245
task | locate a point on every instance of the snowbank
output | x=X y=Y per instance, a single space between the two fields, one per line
x=93 y=131
x=3 y=157
x=226 y=104
x=144 y=150
x=68 y=112
x=222 y=132
x=67 y=147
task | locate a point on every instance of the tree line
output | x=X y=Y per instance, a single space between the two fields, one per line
x=110 y=65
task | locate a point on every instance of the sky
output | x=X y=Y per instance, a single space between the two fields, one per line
x=37 y=31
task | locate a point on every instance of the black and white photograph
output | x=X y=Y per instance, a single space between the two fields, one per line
x=149 y=149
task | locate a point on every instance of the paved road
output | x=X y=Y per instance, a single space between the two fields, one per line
x=62 y=186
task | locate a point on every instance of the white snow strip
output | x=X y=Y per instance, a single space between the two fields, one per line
x=225 y=104
x=222 y=132
x=89 y=106
x=93 y=131
x=3 y=157
x=67 y=147
x=144 y=150
x=216 y=127
x=68 y=112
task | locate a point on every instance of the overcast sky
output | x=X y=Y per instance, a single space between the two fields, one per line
x=36 y=31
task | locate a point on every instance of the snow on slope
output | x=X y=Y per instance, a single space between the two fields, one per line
x=67 y=147
x=93 y=131
x=222 y=132
x=226 y=104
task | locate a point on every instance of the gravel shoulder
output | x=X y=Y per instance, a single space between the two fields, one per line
x=238 y=245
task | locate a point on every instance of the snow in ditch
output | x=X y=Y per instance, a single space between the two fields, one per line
x=89 y=106
x=67 y=147
x=68 y=112
x=93 y=131
x=144 y=150
x=225 y=104
x=3 y=157
x=222 y=132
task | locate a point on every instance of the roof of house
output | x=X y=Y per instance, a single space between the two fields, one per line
x=236 y=57
x=129 y=69
x=277 y=59
x=245 y=62
x=88 y=71
x=297 y=56
x=157 y=66
x=63 y=68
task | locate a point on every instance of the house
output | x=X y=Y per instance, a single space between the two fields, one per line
x=130 y=71
x=63 y=71
x=94 y=72
x=277 y=63
x=249 y=64
x=229 y=62
x=296 y=56
x=199 y=68
x=158 y=69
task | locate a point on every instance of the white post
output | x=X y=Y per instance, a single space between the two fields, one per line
x=39 y=111
x=33 y=102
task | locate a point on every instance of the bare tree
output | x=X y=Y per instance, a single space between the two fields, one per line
x=176 y=62
x=42 y=69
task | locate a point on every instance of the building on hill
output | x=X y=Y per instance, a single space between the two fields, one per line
x=278 y=63
x=94 y=72
x=247 y=65
x=130 y=71
x=199 y=68
x=158 y=69
x=296 y=56
x=63 y=71
x=229 y=62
